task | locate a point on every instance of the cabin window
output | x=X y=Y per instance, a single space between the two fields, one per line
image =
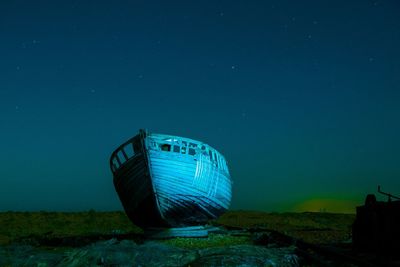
x=192 y=145
x=165 y=147
x=177 y=149
x=210 y=153
x=203 y=148
x=183 y=150
x=129 y=150
x=121 y=156
x=192 y=151
x=115 y=163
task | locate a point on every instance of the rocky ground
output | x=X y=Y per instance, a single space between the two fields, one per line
x=114 y=252
x=244 y=239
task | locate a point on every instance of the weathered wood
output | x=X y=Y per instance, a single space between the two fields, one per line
x=170 y=181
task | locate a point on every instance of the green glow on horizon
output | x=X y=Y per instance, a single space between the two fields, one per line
x=328 y=203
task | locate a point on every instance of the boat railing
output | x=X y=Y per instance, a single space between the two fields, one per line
x=390 y=196
x=176 y=145
x=123 y=153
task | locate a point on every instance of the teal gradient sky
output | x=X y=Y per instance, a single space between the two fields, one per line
x=303 y=99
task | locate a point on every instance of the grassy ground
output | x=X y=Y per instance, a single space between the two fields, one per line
x=314 y=227
x=311 y=227
x=14 y=225
x=213 y=240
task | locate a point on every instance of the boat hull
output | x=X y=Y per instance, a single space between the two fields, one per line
x=169 y=188
x=133 y=186
x=186 y=196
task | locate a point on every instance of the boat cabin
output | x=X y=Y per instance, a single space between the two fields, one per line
x=168 y=144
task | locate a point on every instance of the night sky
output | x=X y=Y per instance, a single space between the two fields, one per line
x=302 y=97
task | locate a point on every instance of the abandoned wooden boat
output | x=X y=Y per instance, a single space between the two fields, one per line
x=170 y=181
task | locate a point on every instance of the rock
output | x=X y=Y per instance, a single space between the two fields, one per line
x=261 y=239
x=127 y=253
x=158 y=254
x=246 y=255
x=151 y=253
x=24 y=255
x=111 y=252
